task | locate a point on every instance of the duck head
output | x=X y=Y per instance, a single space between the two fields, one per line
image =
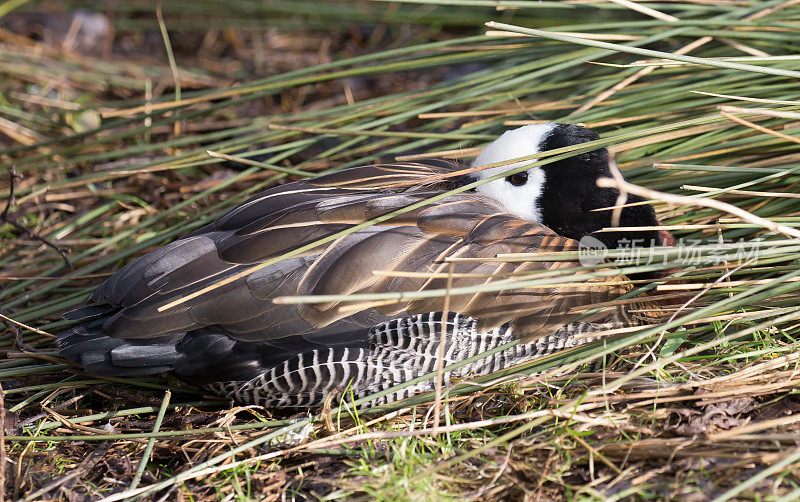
x=563 y=195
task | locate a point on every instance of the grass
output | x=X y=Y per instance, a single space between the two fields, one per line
x=113 y=161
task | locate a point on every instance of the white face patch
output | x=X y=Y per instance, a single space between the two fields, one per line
x=523 y=200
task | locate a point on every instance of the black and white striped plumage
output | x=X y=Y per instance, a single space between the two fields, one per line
x=235 y=339
x=398 y=351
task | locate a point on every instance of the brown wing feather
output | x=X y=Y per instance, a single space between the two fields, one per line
x=463 y=225
x=281 y=219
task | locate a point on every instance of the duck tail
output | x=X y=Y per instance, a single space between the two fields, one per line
x=87 y=344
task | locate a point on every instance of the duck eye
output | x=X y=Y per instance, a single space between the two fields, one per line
x=518 y=179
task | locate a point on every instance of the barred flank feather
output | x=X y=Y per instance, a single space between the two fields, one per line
x=399 y=350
